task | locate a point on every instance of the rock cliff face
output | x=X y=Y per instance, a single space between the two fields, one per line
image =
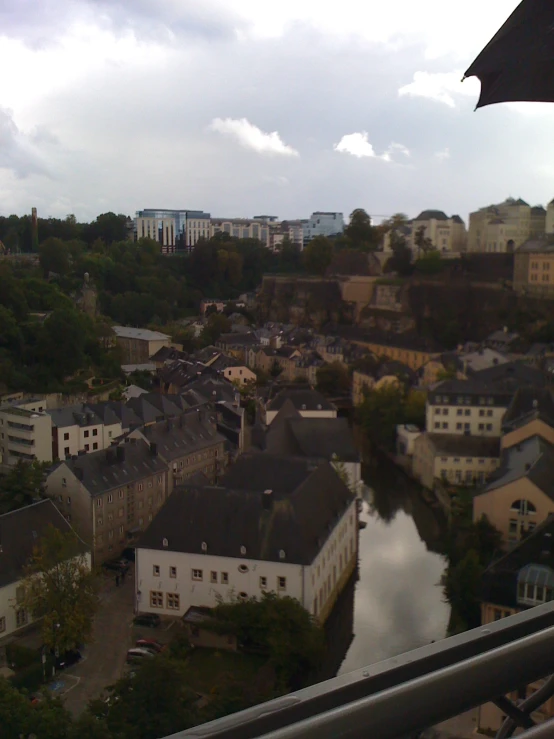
x=448 y=308
x=303 y=301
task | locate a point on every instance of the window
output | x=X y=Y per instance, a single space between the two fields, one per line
x=513 y=526
x=110 y=498
x=481 y=412
x=66 y=451
x=497 y=614
x=140 y=486
x=156 y=599
x=21 y=617
x=99 y=502
x=213 y=576
x=467 y=412
x=459 y=412
x=121 y=494
x=156 y=570
x=466 y=426
x=95 y=432
x=481 y=427
x=445 y=411
x=86 y=434
x=2 y=624
x=523 y=507
x=225 y=578
x=281 y=583
x=197 y=575
x=263 y=583
x=437 y=425
x=445 y=425
x=489 y=413
x=121 y=529
x=173 y=601
x=66 y=437
x=172 y=572
x=489 y=426
x=459 y=426
x=95 y=445
x=87 y=447
x=159 y=479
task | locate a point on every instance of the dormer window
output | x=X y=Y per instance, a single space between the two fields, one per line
x=243 y=550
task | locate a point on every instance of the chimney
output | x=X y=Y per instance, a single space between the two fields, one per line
x=153 y=449
x=267 y=499
x=120 y=452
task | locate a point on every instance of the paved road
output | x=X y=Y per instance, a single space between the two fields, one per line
x=104 y=657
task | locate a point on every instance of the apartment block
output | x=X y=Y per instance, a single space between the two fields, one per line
x=534 y=268
x=139 y=344
x=79 y=428
x=244 y=228
x=25 y=433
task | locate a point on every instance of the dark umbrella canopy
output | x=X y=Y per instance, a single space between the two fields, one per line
x=518 y=63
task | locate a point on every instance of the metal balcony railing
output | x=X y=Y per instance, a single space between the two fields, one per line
x=403 y=696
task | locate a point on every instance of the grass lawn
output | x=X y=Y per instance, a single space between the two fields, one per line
x=206 y=666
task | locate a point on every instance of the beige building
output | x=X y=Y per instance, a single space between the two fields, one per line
x=243 y=228
x=522 y=495
x=504 y=227
x=110 y=496
x=453 y=459
x=161 y=230
x=25 y=433
x=446 y=234
x=198 y=227
x=466 y=407
x=530 y=414
x=79 y=428
x=139 y=344
x=534 y=268
x=240 y=375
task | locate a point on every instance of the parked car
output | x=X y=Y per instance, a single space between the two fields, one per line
x=151 y=644
x=68 y=659
x=136 y=654
x=152 y=620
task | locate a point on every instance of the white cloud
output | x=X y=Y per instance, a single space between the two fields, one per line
x=441 y=86
x=358 y=145
x=252 y=137
x=444 y=154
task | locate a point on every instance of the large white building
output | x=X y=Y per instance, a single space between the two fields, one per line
x=274 y=524
x=323 y=223
x=80 y=428
x=20 y=532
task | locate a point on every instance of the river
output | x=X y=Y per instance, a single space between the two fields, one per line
x=398 y=603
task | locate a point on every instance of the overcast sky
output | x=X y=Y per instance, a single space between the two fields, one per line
x=243 y=107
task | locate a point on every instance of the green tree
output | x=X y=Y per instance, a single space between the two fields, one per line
x=317 y=255
x=154 y=702
x=54 y=256
x=414 y=408
x=361 y=234
x=461 y=584
x=333 y=379
x=21 y=486
x=423 y=243
x=60 y=589
x=20 y=718
x=216 y=325
x=401 y=260
x=107 y=226
x=381 y=411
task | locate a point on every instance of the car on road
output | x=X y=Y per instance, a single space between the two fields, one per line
x=68 y=659
x=152 y=620
x=137 y=654
x=151 y=644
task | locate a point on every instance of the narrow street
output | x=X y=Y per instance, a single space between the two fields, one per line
x=104 y=657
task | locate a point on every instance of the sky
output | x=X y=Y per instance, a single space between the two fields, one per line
x=242 y=107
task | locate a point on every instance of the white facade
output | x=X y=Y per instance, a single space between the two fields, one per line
x=25 y=433
x=70 y=440
x=169 y=583
x=471 y=420
x=332 y=413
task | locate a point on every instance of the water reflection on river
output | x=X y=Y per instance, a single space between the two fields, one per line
x=398 y=601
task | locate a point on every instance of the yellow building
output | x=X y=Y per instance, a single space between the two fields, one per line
x=504 y=227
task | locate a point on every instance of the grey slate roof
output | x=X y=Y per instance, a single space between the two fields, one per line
x=455 y=445
x=128 y=332
x=427 y=215
x=510 y=376
x=71 y=415
x=153 y=407
x=530 y=403
x=534 y=459
x=175 y=439
x=21 y=531
x=302 y=399
x=536 y=246
x=297 y=523
x=263 y=471
x=100 y=474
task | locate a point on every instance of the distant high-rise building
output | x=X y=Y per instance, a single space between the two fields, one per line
x=174 y=230
x=322 y=223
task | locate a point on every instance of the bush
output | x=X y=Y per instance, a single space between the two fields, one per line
x=19 y=657
x=32 y=677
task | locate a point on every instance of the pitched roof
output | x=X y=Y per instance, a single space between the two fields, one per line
x=288 y=526
x=510 y=376
x=263 y=471
x=152 y=407
x=21 y=531
x=533 y=459
x=74 y=415
x=313 y=438
x=186 y=434
x=530 y=403
x=302 y=399
x=102 y=471
x=465 y=446
x=536 y=246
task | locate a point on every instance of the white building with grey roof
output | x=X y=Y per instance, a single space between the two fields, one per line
x=274 y=524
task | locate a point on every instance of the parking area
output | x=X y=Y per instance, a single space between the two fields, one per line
x=104 y=658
